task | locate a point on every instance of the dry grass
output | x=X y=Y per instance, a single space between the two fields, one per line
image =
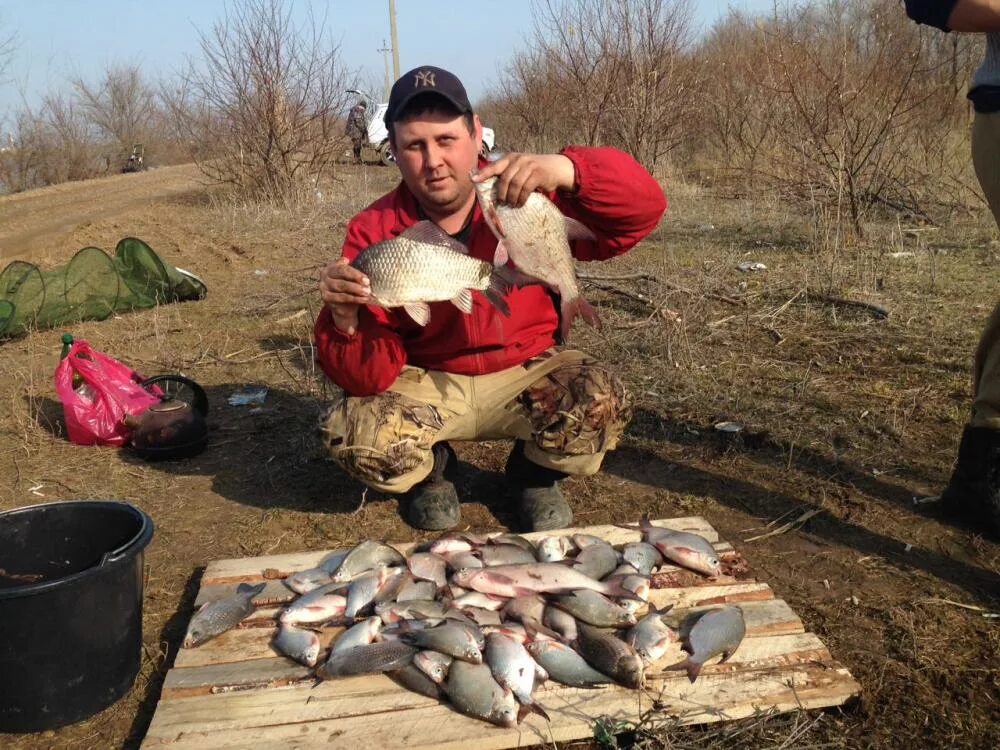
x=842 y=411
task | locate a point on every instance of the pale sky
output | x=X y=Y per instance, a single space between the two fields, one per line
x=61 y=39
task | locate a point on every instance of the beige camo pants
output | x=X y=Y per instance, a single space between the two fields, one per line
x=986 y=366
x=569 y=409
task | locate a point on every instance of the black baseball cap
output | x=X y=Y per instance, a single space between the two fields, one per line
x=426 y=79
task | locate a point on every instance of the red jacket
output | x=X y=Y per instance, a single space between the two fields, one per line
x=616 y=198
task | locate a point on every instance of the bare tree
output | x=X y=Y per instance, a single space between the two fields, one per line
x=51 y=145
x=69 y=141
x=268 y=101
x=615 y=72
x=121 y=105
x=652 y=98
x=734 y=114
x=7 y=46
x=837 y=101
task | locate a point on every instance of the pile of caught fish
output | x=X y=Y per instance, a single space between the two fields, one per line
x=483 y=621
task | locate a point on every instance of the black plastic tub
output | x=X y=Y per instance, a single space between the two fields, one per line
x=71 y=579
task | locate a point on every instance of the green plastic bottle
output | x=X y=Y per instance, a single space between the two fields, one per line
x=67 y=342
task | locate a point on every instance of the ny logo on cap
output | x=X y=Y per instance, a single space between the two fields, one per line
x=425 y=78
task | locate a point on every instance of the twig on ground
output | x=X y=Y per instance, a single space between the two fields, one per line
x=615 y=290
x=787 y=526
x=877 y=310
x=972 y=607
x=293 y=316
x=583 y=276
x=364 y=498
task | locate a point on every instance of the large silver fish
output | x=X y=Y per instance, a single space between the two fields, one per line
x=368 y=659
x=451 y=638
x=565 y=665
x=536 y=237
x=718 y=631
x=221 y=615
x=609 y=654
x=319 y=605
x=360 y=634
x=474 y=692
x=514 y=669
x=423 y=264
x=594 y=609
x=433 y=664
x=367 y=556
x=651 y=637
x=530 y=578
x=691 y=551
x=301 y=645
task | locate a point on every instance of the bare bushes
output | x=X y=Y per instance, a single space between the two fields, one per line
x=266 y=103
x=86 y=132
x=613 y=72
x=846 y=106
x=121 y=105
x=841 y=104
x=51 y=145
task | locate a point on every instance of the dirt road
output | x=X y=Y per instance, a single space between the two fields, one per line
x=35 y=225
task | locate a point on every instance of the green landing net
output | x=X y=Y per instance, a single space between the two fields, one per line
x=92 y=286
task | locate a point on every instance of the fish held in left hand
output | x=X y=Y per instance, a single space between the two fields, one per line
x=536 y=237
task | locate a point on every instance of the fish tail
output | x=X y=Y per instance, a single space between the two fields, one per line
x=577 y=306
x=526 y=708
x=496 y=291
x=693 y=668
x=252 y=590
x=533 y=627
x=617 y=590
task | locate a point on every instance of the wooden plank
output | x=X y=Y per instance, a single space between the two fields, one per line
x=252 y=641
x=230 y=667
x=423 y=723
x=359 y=695
x=252 y=568
x=276 y=592
x=240 y=675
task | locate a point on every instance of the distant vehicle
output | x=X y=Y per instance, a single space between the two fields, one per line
x=377 y=137
x=134 y=162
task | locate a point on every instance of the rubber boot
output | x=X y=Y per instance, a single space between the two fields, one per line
x=974 y=489
x=540 y=502
x=434 y=502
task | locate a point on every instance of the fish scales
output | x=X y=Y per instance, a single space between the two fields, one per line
x=423 y=264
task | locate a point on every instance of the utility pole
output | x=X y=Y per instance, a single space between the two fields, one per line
x=395 y=40
x=388 y=81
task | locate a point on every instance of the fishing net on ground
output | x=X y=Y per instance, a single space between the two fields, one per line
x=92 y=286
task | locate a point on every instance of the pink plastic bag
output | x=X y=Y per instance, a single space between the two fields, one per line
x=106 y=391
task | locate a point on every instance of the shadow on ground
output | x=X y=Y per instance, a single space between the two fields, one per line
x=172 y=633
x=646 y=466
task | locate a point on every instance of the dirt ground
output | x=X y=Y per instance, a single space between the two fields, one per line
x=843 y=412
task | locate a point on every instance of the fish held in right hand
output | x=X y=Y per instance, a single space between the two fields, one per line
x=423 y=264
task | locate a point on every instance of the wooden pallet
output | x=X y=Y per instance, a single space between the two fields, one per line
x=237 y=692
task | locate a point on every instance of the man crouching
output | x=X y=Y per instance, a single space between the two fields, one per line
x=409 y=389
